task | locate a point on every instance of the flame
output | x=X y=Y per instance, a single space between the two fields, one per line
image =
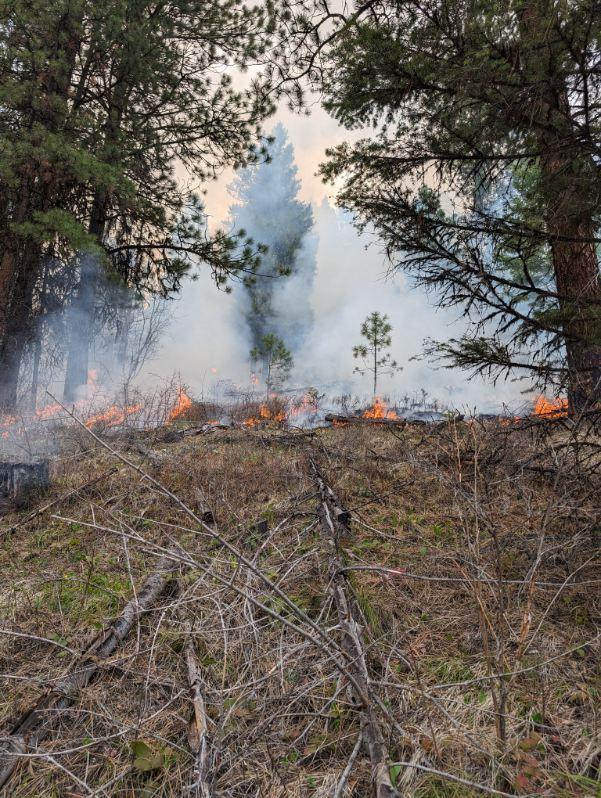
x=265 y=414
x=507 y=421
x=112 y=417
x=308 y=404
x=182 y=404
x=379 y=409
x=556 y=408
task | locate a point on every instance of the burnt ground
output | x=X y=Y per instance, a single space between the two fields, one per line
x=471 y=567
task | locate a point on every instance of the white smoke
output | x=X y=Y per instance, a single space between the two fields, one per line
x=205 y=331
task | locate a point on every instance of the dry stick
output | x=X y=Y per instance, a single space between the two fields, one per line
x=339 y=788
x=198 y=729
x=321 y=637
x=63 y=693
x=352 y=643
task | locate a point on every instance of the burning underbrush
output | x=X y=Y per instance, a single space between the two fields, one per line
x=252 y=572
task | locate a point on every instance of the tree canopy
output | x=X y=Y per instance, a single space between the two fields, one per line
x=481 y=170
x=98 y=105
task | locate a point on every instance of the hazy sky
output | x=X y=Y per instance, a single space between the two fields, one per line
x=310 y=136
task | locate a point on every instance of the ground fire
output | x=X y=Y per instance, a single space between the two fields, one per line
x=182 y=404
x=553 y=408
x=380 y=409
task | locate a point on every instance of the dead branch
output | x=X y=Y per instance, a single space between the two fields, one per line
x=28 y=732
x=198 y=729
x=353 y=646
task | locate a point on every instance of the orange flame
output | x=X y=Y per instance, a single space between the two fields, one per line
x=379 y=409
x=182 y=404
x=112 y=417
x=265 y=414
x=556 y=408
x=308 y=404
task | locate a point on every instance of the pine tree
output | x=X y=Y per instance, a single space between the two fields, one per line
x=97 y=103
x=275 y=359
x=267 y=208
x=376 y=330
x=483 y=179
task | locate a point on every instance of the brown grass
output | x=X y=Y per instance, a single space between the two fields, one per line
x=473 y=560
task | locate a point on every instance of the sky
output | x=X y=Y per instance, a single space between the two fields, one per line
x=204 y=344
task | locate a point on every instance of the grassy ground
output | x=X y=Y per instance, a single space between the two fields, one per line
x=472 y=556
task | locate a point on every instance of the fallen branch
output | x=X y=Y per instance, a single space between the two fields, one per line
x=27 y=733
x=352 y=643
x=198 y=729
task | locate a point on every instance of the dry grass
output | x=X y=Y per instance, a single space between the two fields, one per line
x=472 y=558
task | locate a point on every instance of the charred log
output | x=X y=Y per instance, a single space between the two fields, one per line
x=203 y=509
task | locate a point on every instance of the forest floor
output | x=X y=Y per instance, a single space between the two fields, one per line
x=471 y=580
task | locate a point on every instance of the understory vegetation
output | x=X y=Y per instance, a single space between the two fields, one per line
x=470 y=566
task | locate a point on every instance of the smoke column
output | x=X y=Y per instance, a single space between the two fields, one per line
x=267 y=208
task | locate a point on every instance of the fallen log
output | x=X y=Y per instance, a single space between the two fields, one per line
x=340 y=420
x=353 y=645
x=341 y=514
x=29 y=730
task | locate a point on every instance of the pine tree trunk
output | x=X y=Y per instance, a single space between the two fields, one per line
x=576 y=269
x=82 y=327
x=577 y=280
x=17 y=326
x=375 y=371
x=569 y=186
x=37 y=192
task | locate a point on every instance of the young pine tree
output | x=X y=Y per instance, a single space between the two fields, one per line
x=275 y=359
x=267 y=208
x=376 y=330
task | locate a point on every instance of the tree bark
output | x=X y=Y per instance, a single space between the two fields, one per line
x=576 y=271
